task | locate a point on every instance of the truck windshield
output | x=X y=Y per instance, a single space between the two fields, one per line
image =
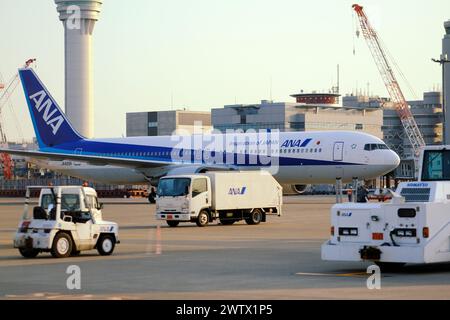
x=69 y=202
x=436 y=165
x=173 y=187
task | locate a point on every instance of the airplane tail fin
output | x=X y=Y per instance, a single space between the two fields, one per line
x=50 y=124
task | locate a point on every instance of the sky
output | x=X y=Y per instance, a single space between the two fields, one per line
x=151 y=55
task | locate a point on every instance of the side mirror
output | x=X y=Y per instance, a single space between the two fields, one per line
x=186 y=191
x=100 y=206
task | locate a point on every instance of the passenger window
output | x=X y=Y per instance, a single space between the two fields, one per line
x=199 y=186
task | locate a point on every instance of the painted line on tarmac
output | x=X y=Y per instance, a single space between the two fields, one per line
x=351 y=274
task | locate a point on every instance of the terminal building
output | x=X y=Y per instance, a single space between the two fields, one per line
x=310 y=112
x=163 y=123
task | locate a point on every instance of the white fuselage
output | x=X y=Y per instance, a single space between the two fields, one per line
x=292 y=157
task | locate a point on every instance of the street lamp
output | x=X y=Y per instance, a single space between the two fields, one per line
x=442 y=61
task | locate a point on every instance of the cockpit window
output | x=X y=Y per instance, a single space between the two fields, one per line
x=375 y=146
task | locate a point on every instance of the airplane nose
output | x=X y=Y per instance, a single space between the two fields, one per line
x=393 y=159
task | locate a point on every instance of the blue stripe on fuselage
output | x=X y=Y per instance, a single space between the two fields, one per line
x=164 y=154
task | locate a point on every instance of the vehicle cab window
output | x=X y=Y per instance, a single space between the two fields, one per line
x=92 y=202
x=199 y=186
x=173 y=187
x=48 y=200
x=70 y=202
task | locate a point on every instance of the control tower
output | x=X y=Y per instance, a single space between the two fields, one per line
x=78 y=18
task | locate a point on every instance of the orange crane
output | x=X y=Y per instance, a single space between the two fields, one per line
x=5 y=158
x=409 y=124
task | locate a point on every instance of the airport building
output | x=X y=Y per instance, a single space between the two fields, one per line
x=162 y=123
x=310 y=112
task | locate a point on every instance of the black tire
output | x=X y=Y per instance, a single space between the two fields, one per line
x=202 y=219
x=227 y=222
x=256 y=217
x=62 y=245
x=390 y=266
x=173 y=223
x=106 y=244
x=28 y=253
x=75 y=253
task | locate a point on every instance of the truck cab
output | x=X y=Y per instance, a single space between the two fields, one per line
x=66 y=221
x=182 y=198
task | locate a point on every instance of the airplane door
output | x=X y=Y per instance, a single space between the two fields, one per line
x=338 y=151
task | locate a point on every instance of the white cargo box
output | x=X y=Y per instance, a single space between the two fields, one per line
x=244 y=190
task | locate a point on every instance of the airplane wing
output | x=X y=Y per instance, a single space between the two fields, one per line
x=94 y=160
x=103 y=161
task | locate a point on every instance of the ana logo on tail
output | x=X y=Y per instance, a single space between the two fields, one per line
x=50 y=115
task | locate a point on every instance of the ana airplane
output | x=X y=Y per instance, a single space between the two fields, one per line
x=294 y=158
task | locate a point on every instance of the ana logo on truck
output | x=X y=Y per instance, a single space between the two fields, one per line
x=237 y=191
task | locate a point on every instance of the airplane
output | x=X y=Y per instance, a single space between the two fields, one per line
x=294 y=158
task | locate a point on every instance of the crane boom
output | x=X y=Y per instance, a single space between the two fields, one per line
x=409 y=124
x=5 y=159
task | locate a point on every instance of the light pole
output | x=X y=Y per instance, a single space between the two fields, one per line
x=442 y=61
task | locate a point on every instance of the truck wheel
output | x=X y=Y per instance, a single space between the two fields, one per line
x=28 y=253
x=105 y=245
x=390 y=266
x=62 y=245
x=173 y=223
x=255 y=217
x=202 y=219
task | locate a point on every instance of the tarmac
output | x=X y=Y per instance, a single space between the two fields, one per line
x=279 y=259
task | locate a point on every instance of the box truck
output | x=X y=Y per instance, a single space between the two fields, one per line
x=229 y=196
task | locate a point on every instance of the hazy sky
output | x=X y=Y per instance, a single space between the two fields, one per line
x=207 y=53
